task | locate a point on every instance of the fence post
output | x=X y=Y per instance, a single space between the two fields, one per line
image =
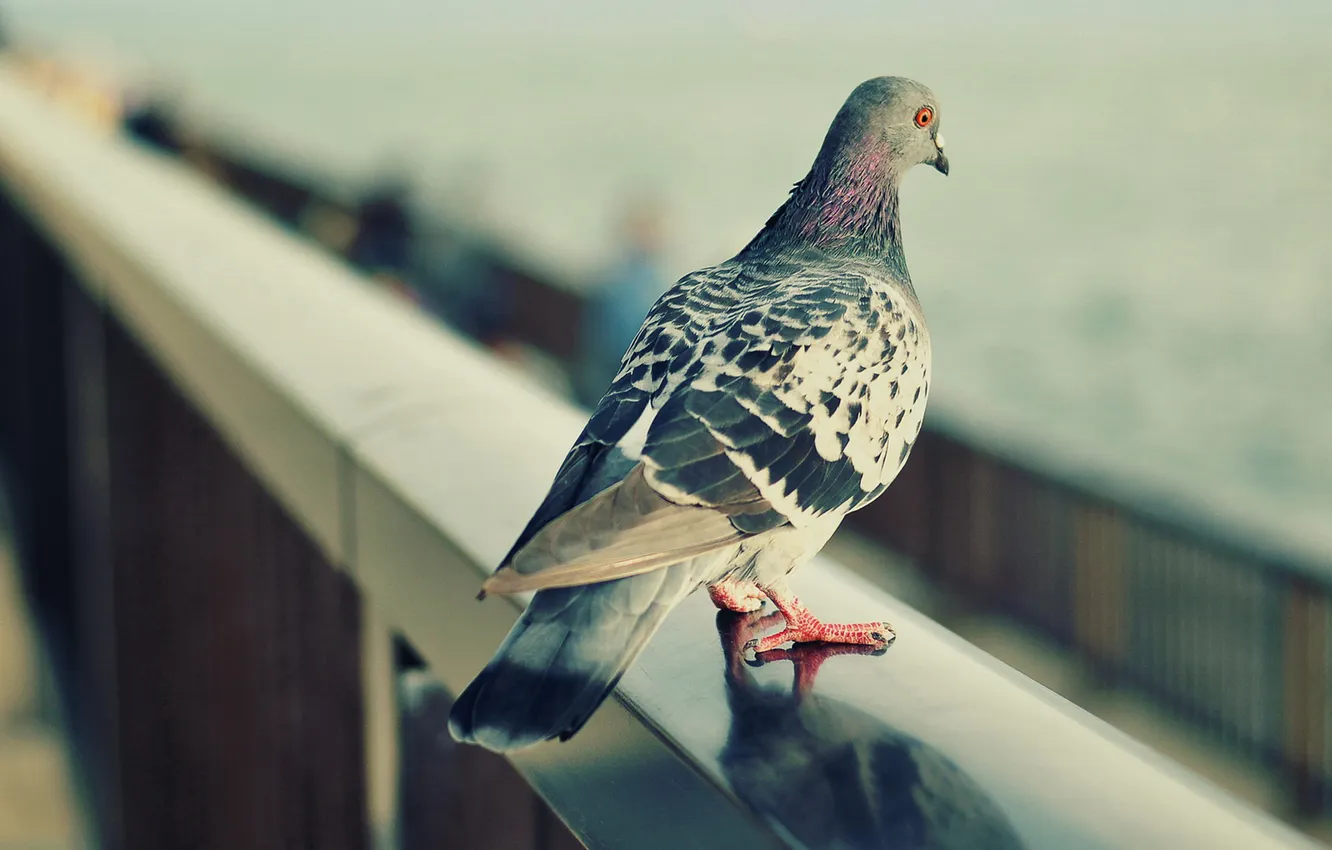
x=456 y=796
x=1100 y=611
x=1306 y=694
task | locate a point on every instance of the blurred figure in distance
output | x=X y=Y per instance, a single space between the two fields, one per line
x=382 y=246
x=616 y=308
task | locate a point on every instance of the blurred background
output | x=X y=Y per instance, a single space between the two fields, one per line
x=1128 y=277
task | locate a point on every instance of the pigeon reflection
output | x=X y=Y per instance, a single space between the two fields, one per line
x=832 y=776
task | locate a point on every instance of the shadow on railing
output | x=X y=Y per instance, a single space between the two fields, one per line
x=230 y=456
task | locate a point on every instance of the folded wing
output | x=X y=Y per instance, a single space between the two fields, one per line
x=744 y=404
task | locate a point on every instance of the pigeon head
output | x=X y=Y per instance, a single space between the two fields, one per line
x=847 y=204
x=892 y=118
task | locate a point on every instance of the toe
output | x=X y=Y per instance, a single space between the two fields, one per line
x=763 y=644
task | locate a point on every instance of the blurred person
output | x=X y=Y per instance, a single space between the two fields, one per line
x=616 y=308
x=463 y=279
x=150 y=122
x=458 y=284
x=382 y=246
x=150 y=109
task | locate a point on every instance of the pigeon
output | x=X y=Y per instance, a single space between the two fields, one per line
x=833 y=776
x=761 y=401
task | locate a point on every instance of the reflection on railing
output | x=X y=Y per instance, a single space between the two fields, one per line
x=834 y=776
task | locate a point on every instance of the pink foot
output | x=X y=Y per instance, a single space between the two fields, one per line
x=739 y=596
x=806 y=659
x=804 y=627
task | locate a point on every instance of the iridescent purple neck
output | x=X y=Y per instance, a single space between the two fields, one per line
x=845 y=206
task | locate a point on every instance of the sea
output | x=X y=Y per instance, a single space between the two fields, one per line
x=1127 y=275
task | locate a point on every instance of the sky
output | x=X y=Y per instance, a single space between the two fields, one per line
x=616 y=16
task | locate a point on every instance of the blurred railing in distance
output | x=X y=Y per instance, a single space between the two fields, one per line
x=1232 y=639
x=221 y=444
x=1235 y=641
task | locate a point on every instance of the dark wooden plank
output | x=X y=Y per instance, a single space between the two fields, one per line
x=239 y=712
x=453 y=795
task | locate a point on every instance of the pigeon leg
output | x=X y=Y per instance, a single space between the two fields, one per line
x=739 y=596
x=804 y=627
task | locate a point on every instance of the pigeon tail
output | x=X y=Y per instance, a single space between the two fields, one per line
x=563 y=658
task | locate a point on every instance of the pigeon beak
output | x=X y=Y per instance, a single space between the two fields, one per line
x=940 y=161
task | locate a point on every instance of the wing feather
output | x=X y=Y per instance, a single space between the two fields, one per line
x=625 y=530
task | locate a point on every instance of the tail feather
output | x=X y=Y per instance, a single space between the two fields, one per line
x=563 y=658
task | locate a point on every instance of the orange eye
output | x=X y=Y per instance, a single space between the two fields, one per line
x=924 y=116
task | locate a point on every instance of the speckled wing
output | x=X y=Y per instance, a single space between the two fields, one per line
x=601 y=519
x=810 y=387
x=754 y=396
